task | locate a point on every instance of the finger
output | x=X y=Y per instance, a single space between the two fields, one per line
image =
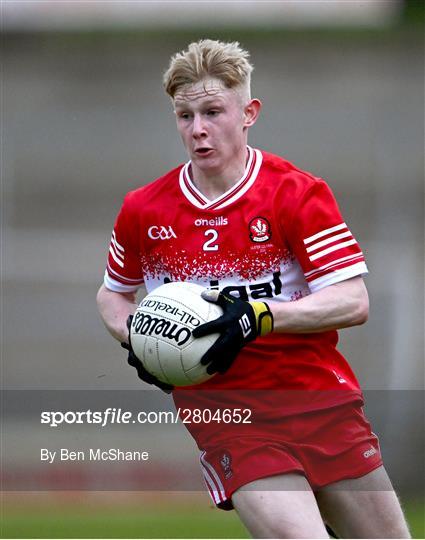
x=219 y=367
x=222 y=364
x=212 y=368
x=133 y=361
x=142 y=372
x=128 y=322
x=211 y=327
x=226 y=300
x=213 y=295
x=215 y=352
x=167 y=388
x=221 y=354
x=151 y=379
x=210 y=295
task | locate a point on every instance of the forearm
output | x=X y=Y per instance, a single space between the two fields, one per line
x=114 y=309
x=337 y=306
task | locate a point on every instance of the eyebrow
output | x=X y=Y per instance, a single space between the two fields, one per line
x=208 y=102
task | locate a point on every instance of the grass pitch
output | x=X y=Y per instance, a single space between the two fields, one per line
x=118 y=515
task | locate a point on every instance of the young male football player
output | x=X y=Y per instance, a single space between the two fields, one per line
x=271 y=239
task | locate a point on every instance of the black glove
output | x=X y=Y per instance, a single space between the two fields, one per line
x=240 y=323
x=141 y=371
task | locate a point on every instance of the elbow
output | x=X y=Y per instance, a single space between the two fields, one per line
x=362 y=316
x=360 y=303
x=99 y=296
x=361 y=311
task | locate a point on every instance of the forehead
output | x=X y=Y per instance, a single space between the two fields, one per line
x=202 y=92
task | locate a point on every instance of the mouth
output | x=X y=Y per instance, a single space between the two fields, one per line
x=203 y=151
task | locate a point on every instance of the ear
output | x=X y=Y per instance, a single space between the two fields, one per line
x=251 y=112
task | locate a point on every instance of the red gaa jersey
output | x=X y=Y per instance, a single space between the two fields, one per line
x=277 y=235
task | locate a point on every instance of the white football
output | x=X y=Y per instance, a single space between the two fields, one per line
x=161 y=333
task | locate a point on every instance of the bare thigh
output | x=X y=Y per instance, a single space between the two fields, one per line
x=281 y=506
x=365 y=507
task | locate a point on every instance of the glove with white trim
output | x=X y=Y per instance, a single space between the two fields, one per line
x=240 y=323
x=143 y=374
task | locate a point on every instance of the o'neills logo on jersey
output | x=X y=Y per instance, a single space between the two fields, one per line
x=259 y=230
x=371 y=452
x=215 y=222
x=161 y=232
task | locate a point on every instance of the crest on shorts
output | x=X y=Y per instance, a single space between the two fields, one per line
x=226 y=464
x=259 y=229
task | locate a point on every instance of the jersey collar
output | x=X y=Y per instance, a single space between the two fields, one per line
x=194 y=196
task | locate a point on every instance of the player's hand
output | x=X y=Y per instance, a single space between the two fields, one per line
x=240 y=323
x=141 y=371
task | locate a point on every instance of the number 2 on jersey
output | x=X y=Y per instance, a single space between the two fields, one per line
x=209 y=244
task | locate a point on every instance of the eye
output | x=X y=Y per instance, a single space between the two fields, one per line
x=212 y=112
x=183 y=115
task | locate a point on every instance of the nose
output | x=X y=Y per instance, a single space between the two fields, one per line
x=198 y=127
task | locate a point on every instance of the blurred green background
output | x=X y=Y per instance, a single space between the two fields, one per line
x=85 y=121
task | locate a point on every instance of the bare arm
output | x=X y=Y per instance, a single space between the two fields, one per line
x=114 y=308
x=337 y=306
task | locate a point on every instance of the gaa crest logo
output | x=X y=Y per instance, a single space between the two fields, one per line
x=161 y=232
x=226 y=464
x=259 y=229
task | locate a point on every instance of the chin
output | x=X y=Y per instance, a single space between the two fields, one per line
x=206 y=164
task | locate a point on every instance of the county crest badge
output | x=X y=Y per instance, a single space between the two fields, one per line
x=259 y=230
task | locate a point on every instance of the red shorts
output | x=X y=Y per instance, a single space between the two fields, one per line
x=325 y=446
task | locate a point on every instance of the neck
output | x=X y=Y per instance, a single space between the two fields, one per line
x=213 y=183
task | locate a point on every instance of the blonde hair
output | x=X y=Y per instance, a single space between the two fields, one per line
x=227 y=62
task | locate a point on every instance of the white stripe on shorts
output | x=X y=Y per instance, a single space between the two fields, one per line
x=213 y=481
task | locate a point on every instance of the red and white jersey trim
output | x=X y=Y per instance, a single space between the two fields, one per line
x=350 y=259
x=199 y=200
x=329 y=241
x=331 y=249
x=331 y=238
x=330 y=278
x=214 y=484
x=117 y=285
x=325 y=232
x=116 y=251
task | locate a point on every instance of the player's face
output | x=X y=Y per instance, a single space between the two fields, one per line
x=212 y=121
